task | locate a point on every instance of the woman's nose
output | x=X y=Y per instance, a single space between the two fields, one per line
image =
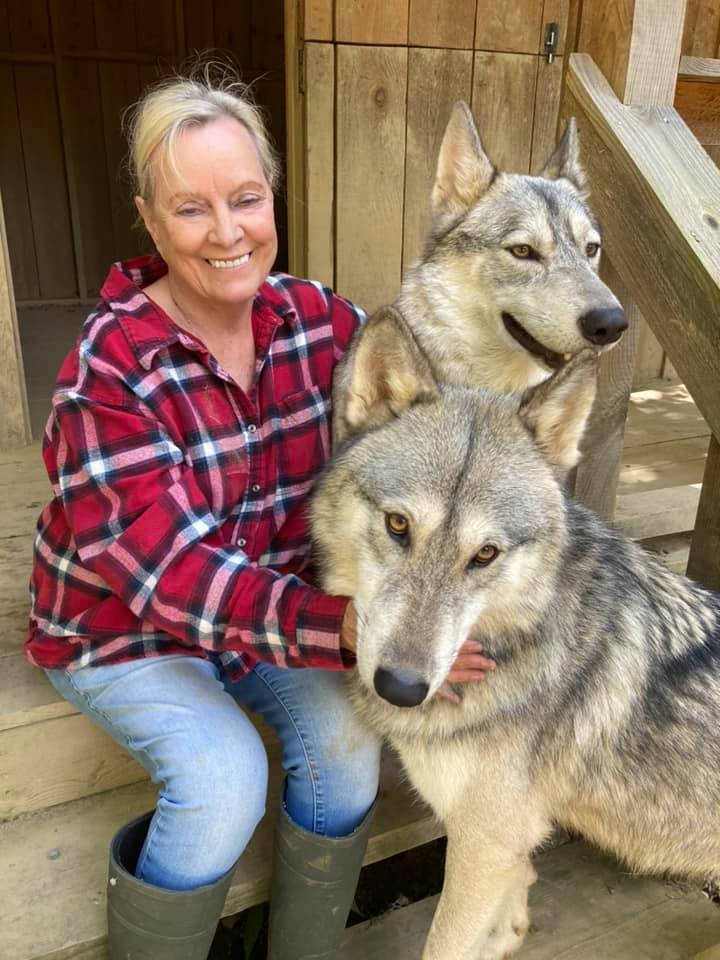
x=226 y=228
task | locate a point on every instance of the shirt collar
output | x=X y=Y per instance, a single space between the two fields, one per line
x=149 y=329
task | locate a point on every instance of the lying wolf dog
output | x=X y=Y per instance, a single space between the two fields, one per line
x=443 y=513
x=507 y=287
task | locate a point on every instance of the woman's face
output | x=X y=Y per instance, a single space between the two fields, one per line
x=212 y=218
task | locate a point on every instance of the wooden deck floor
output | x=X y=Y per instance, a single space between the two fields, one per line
x=584 y=906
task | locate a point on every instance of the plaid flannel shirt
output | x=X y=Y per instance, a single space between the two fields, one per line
x=178 y=522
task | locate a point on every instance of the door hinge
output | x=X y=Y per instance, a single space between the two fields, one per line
x=551 y=41
x=301 y=69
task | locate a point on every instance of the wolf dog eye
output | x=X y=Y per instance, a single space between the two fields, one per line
x=397 y=525
x=523 y=251
x=485 y=555
x=591 y=249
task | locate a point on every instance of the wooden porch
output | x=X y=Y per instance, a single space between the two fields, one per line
x=65 y=787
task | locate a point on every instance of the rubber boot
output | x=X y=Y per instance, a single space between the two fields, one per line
x=313 y=886
x=149 y=923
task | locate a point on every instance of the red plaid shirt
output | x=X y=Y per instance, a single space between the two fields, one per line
x=178 y=522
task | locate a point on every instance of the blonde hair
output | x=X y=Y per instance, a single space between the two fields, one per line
x=209 y=92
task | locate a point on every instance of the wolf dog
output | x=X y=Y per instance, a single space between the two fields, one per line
x=444 y=514
x=507 y=285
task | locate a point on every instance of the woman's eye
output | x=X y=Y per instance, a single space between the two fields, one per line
x=523 y=251
x=397 y=525
x=485 y=555
x=244 y=202
x=591 y=249
x=189 y=211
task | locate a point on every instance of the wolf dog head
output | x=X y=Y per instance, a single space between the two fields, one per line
x=507 y=287
x=442 y=512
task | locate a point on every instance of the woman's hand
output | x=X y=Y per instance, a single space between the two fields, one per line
x=470 y=665
x=348 y=630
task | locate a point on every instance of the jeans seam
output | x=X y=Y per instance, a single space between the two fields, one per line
x=318 y=804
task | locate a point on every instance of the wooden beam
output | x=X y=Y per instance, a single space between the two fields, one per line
x=636 y=44
x=295 y=133
x=704 y=561
x=699 y=68
x=657 y=194
x=15 y=419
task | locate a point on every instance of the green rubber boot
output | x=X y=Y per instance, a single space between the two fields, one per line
x=313 y=886
x=149 y=923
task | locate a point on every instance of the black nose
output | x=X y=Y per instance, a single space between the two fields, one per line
x=604 y=325
x=402 y=689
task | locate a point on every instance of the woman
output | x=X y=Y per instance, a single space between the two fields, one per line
x=171 y=580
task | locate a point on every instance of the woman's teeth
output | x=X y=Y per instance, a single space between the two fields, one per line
x=227 y=264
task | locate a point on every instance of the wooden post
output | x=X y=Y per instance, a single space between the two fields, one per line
x=704 y=559
x=14 y=418
x=637 y=46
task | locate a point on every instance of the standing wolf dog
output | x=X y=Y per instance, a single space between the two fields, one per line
x=443 y=513
x=506 y=288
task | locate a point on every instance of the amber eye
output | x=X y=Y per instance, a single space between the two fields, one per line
x=485 y=555
x=397 y=525
x=591 y=249
x=523 y=251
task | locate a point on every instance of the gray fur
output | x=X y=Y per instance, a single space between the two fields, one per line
x=603 y=712
x=453 y=297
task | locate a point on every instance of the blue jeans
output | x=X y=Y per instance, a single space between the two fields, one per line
x=179 y=717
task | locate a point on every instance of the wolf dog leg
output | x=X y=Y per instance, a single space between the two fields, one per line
x=482 y=913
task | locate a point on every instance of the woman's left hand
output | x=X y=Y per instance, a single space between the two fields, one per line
x=470 y=665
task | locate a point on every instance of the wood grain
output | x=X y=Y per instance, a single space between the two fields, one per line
x=371 y=119
x=702 y=25
x=503 y=103
x=436 y=79
x=448 y=24
x=636 y=44
x=704 y=561
x=13 y=183
x=547 y=107
x=584 y=906
x=318 y=22
x=320 y=161
x=647 y=169
x=15 y=421
x=509 y=27
x=45 y=168
x=371 y=21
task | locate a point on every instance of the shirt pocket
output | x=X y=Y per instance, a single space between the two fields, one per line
x=303 y=442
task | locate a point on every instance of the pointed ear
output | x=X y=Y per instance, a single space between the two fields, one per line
x=557 y=411
x=463 y=172
x=565 y=161
x=383 y=374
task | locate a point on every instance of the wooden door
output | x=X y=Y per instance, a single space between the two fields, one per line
x=378 y=79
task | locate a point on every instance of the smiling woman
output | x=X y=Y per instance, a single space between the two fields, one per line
x=171 y=583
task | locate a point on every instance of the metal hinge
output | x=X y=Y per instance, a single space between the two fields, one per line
x=551 y=41
x=301 y=70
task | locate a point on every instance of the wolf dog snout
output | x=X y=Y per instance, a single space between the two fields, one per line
x=400 y=687
x=604 y=325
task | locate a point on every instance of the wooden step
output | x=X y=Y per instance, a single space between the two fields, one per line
x=585 y=906
x=53 y=864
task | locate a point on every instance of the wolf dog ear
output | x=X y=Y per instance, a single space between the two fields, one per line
x=463 y=171
x=384 y=374
x=565 y=161
x=556 y=412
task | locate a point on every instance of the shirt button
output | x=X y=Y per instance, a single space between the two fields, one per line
x=256 y=488
x=242 y=541
x=252 y=428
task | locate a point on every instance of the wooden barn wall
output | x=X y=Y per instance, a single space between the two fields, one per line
x=68 y=70
x=381 y=77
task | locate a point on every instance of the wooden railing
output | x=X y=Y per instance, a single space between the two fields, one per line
x=657 y=195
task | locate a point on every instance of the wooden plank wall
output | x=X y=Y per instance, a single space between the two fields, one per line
x=397 y=67
x=68 y=71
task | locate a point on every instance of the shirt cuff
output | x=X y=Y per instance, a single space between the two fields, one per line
x=317 y=631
